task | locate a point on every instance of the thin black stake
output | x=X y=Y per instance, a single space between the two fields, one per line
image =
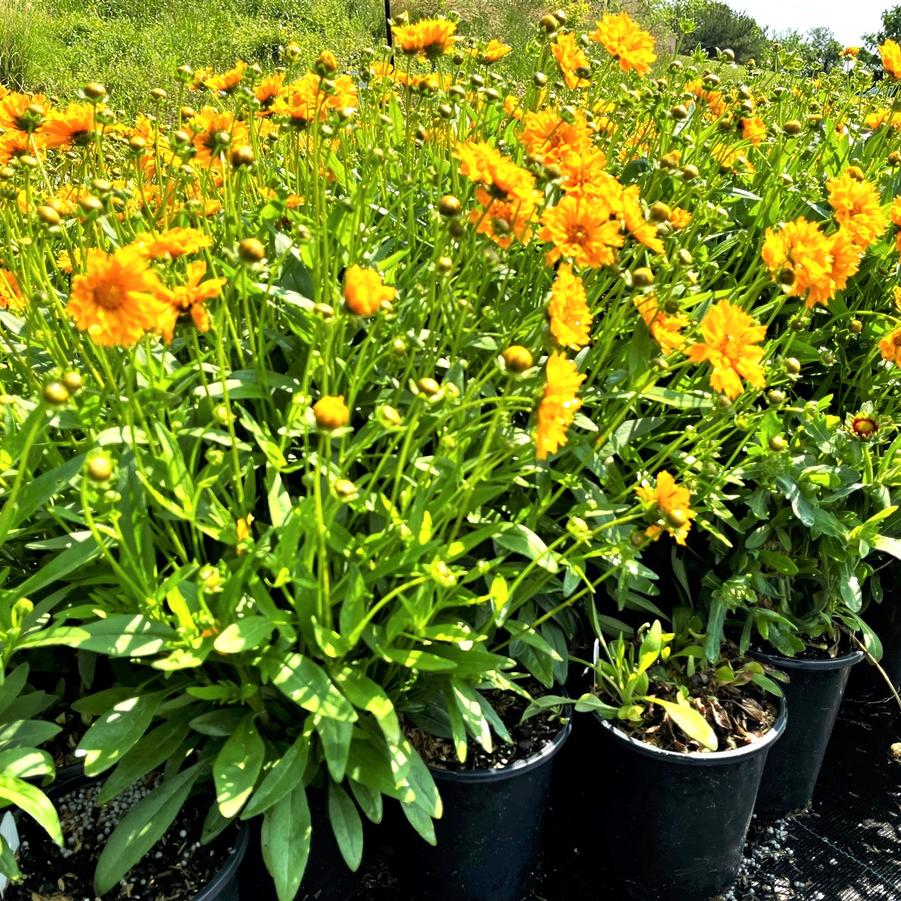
x=388 y=33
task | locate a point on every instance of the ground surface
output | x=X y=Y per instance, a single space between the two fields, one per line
x=847 y=847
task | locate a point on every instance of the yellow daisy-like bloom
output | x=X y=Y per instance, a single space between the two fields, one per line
x=730 y=344
x=858 y=208
x=799 y=256
x=851 y=52
x=568 y=311
x=548 y=136
x=267 y=89
x=559 y=404
x=715 y=101
x=430 y=37
x=227 y=81
x=679 y=218
x=117 y=299
x=845 y=256
x=190 y=298
x=213 y=133
x=625 y=40
x=890 y=52
x=11 y=297
x=364 y=291
x=581 y=230
x=584 y=174
x=890 y=347
x=15 y=114
x=172 y=243
x=571 y=60
x=883 y=117
x=331 y=412
x=753 y=129
x=665 y=329
x=14 y=144
x=494 y=51
x=633 y=216
x=75 y=125
x=895 y=215
x=672 y=503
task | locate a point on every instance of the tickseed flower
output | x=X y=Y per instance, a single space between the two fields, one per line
x=808 y=263
x=571 y=60
x=172 y=243
x=227 y=81
x=633 y=216
x=117 y=299
x=559 y=404
x=863 y=424
x=190 y=298
x=883 y=117
x=429 y=37
x=858 y=209
x=851 y=52
x=364 y=291
x=331 y=412
x=890 y=52
x=75 y=125
x=10 y=294
x=305 y=100
x=679 y=218
x=665 y=329
x=890 y=347
x=267 y=89
x=581 y=230
x=547 y=135
x=672 y=504
x=494 y=51
x=21 y=112
x=626 y=41
x=213 y=132
x=568 y=311
x=15 y=144
x=753 y=129
x=584 y=173
x=730 y=344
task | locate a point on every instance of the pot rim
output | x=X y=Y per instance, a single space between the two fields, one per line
x=830 y=663
x=512 y=770
x=702 y=758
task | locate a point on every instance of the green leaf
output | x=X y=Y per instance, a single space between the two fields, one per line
x=32 y=801
x=309 y=686
x=237 y=766
x=106 y=742
x=369 y=799
x=593 y=704
x=283 y=777
x=651 y=646
x=367 y=695
x=118 y=635
x=246 y=634
x=141 y=828
x=335 y=736
x=346 y=824
x=801 y=507
x=285 y=840
x=82 y=550
x=522 y=540
x=690 y=722
x=887 y=545
x=12 y=686
x=25 y=763
x=782 y=563
x=27 y=733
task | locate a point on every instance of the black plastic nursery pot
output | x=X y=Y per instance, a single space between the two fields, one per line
x=813 y=696
x=671 y=825
x=489 y=835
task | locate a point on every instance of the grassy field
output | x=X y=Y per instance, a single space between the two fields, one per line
x=58 y=45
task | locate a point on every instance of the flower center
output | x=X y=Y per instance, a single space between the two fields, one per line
x=576 y=234
x=108 y=296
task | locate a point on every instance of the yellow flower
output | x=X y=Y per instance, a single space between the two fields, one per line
x=730 y=344
x=190 y=298
x=637 y=225
x=799 y=256
x=679 y=218
x=890 y=347
x=883 y=117
x=364 y=291
x=430 y=37
x=267 y=89
x=11 y=297
x=666 y=330
x=548 y=136
x=559 y=404
x=15 y=114
x=213 y=133
x=172 y=243
x=625 y=40
x=117 y=299
x=672 y=504
x=570 y=317
x=571 y=60
x=753 y=129
x=494 y=50
x=890 y=52
x=851 y=52
x=584 y=173
x=75 y=124
x=858 y=208
x=331 y=412
x=227 y=81
x=581 y=230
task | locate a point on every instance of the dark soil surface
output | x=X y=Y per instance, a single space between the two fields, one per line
x=528 y=738
x=176 y=869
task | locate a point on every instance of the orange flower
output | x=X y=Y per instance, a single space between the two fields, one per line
x=494 y=51
x=74 y=125
x=890 y=52
x=213 y=133
x=548 y=136
x=672 y=504
x=581 y=230
x=890 y=347
x=626 y=41
x=227 y=81
x=117 y=299
x=799 y=257
x=430 y=37
x=883 y=117
x=730 y=344
x=190 y=298
x=571 y=60
x=14 y=144
x=15 y=114
x=172 y=243
x=559 y=404
x=715 y=101
x=584 y=173
x=753 y=129
x=638 y=226
x=331 y=412
x=11 y=297
x=267 y=89
x=570 y=317
x=666 y=330
x=364 y=291
x=679 y=218
x=851 y=52
x=304 y=100
x=858 y=208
